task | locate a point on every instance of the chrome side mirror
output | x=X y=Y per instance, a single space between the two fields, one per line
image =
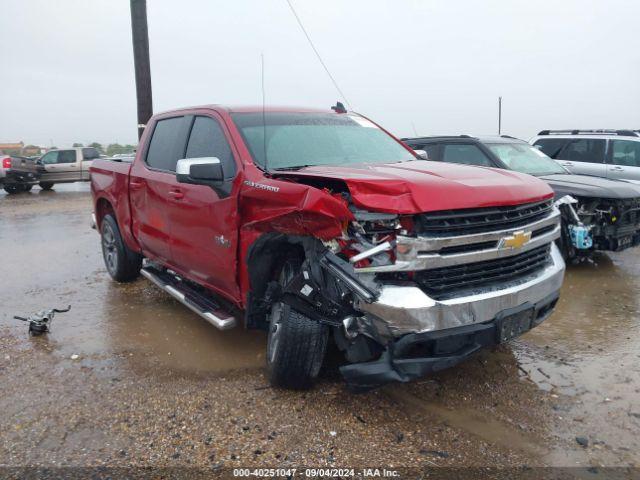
x=199 y=171
x=422 y=154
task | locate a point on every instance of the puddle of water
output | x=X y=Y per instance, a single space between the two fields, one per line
x=589 y=351
x=55 y=260
x=482 y=426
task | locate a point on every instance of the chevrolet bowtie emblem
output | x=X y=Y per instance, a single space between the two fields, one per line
x=516 y=240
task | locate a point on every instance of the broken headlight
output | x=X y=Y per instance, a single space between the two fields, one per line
x=370 y=239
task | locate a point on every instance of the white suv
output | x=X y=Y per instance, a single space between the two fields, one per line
x=604 y=153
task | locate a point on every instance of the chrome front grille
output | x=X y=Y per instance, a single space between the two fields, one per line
x=478 y=220
x=440 y=283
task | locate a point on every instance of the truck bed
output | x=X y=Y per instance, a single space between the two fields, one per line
x=110 y=183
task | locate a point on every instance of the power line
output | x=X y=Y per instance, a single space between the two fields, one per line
x=326 y=69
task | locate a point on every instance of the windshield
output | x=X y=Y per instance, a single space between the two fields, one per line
x=303 y=139
x=525 y=159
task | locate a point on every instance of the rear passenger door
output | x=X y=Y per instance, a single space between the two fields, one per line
x=151 y=182
x=584 y=156
x=624 y=160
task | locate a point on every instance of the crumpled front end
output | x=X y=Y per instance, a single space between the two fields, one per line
x=446 y=284
x=614 y=223
x=408 y=294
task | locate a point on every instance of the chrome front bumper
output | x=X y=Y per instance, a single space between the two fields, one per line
x=403 y=309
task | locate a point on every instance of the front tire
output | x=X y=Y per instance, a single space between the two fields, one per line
x=122 y=263
x=46 y=185
x=296 y=344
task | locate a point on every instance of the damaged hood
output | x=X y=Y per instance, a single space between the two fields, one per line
x=588 y=186
x=423 y=186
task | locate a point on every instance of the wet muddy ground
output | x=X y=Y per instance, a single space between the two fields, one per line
x=154 y=385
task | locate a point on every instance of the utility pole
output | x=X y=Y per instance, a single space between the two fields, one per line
x=141 y=62
x=499 y=115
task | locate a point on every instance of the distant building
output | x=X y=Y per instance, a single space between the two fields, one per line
x=11 y=148
x=20 y=149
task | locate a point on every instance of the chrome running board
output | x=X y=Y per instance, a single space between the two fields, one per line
x=201 y=304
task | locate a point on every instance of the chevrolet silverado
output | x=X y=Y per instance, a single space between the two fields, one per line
x=319 y=226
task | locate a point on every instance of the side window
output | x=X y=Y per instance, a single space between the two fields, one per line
x=551 y=146
x=162 y=148
x=50 y=158
x=90 y=153
x=432 y=151
x=67 y=156
x=467 y=154
x=584 y=150
x=626 y=153
x=207 y=140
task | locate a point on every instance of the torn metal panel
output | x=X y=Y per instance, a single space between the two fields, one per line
x=293 y=209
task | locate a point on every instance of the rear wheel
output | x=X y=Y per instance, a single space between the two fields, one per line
x=296 y=344
x=122 y=263
x=13 y=188
x=46 y=185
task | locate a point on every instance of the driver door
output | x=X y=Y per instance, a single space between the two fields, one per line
x=204 y=221
x=60 y=166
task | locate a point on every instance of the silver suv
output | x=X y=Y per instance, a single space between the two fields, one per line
x=604 y=153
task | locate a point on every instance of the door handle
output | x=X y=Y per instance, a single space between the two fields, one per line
x=135 y=184
x=620 y=169
x=176 y=194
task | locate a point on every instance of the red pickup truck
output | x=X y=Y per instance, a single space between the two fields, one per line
x=318 y=226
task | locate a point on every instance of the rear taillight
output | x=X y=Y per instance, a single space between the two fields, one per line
x=6 y=162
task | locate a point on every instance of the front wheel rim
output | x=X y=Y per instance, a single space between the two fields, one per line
x=275 y=329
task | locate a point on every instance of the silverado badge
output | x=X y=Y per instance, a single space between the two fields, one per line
x=516 y=240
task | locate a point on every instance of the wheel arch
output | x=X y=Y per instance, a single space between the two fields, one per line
x=264 y=258
x=103 y=208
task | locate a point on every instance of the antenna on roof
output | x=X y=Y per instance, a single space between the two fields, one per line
x=315 y=50
x=499 y=115
x=264 y=122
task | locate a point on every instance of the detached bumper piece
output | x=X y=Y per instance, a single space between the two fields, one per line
x=418 y=354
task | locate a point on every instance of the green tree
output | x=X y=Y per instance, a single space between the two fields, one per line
x=97 y=146
x=115 y=148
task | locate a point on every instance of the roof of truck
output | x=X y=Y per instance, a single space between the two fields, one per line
x=251 y=109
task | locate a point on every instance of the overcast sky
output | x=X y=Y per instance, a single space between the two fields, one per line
x=66 y=71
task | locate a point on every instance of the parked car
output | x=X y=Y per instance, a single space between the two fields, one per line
x=605 y=153
x=66 y=166
x=316 y=225
x=17 y=174
x=608 y=210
